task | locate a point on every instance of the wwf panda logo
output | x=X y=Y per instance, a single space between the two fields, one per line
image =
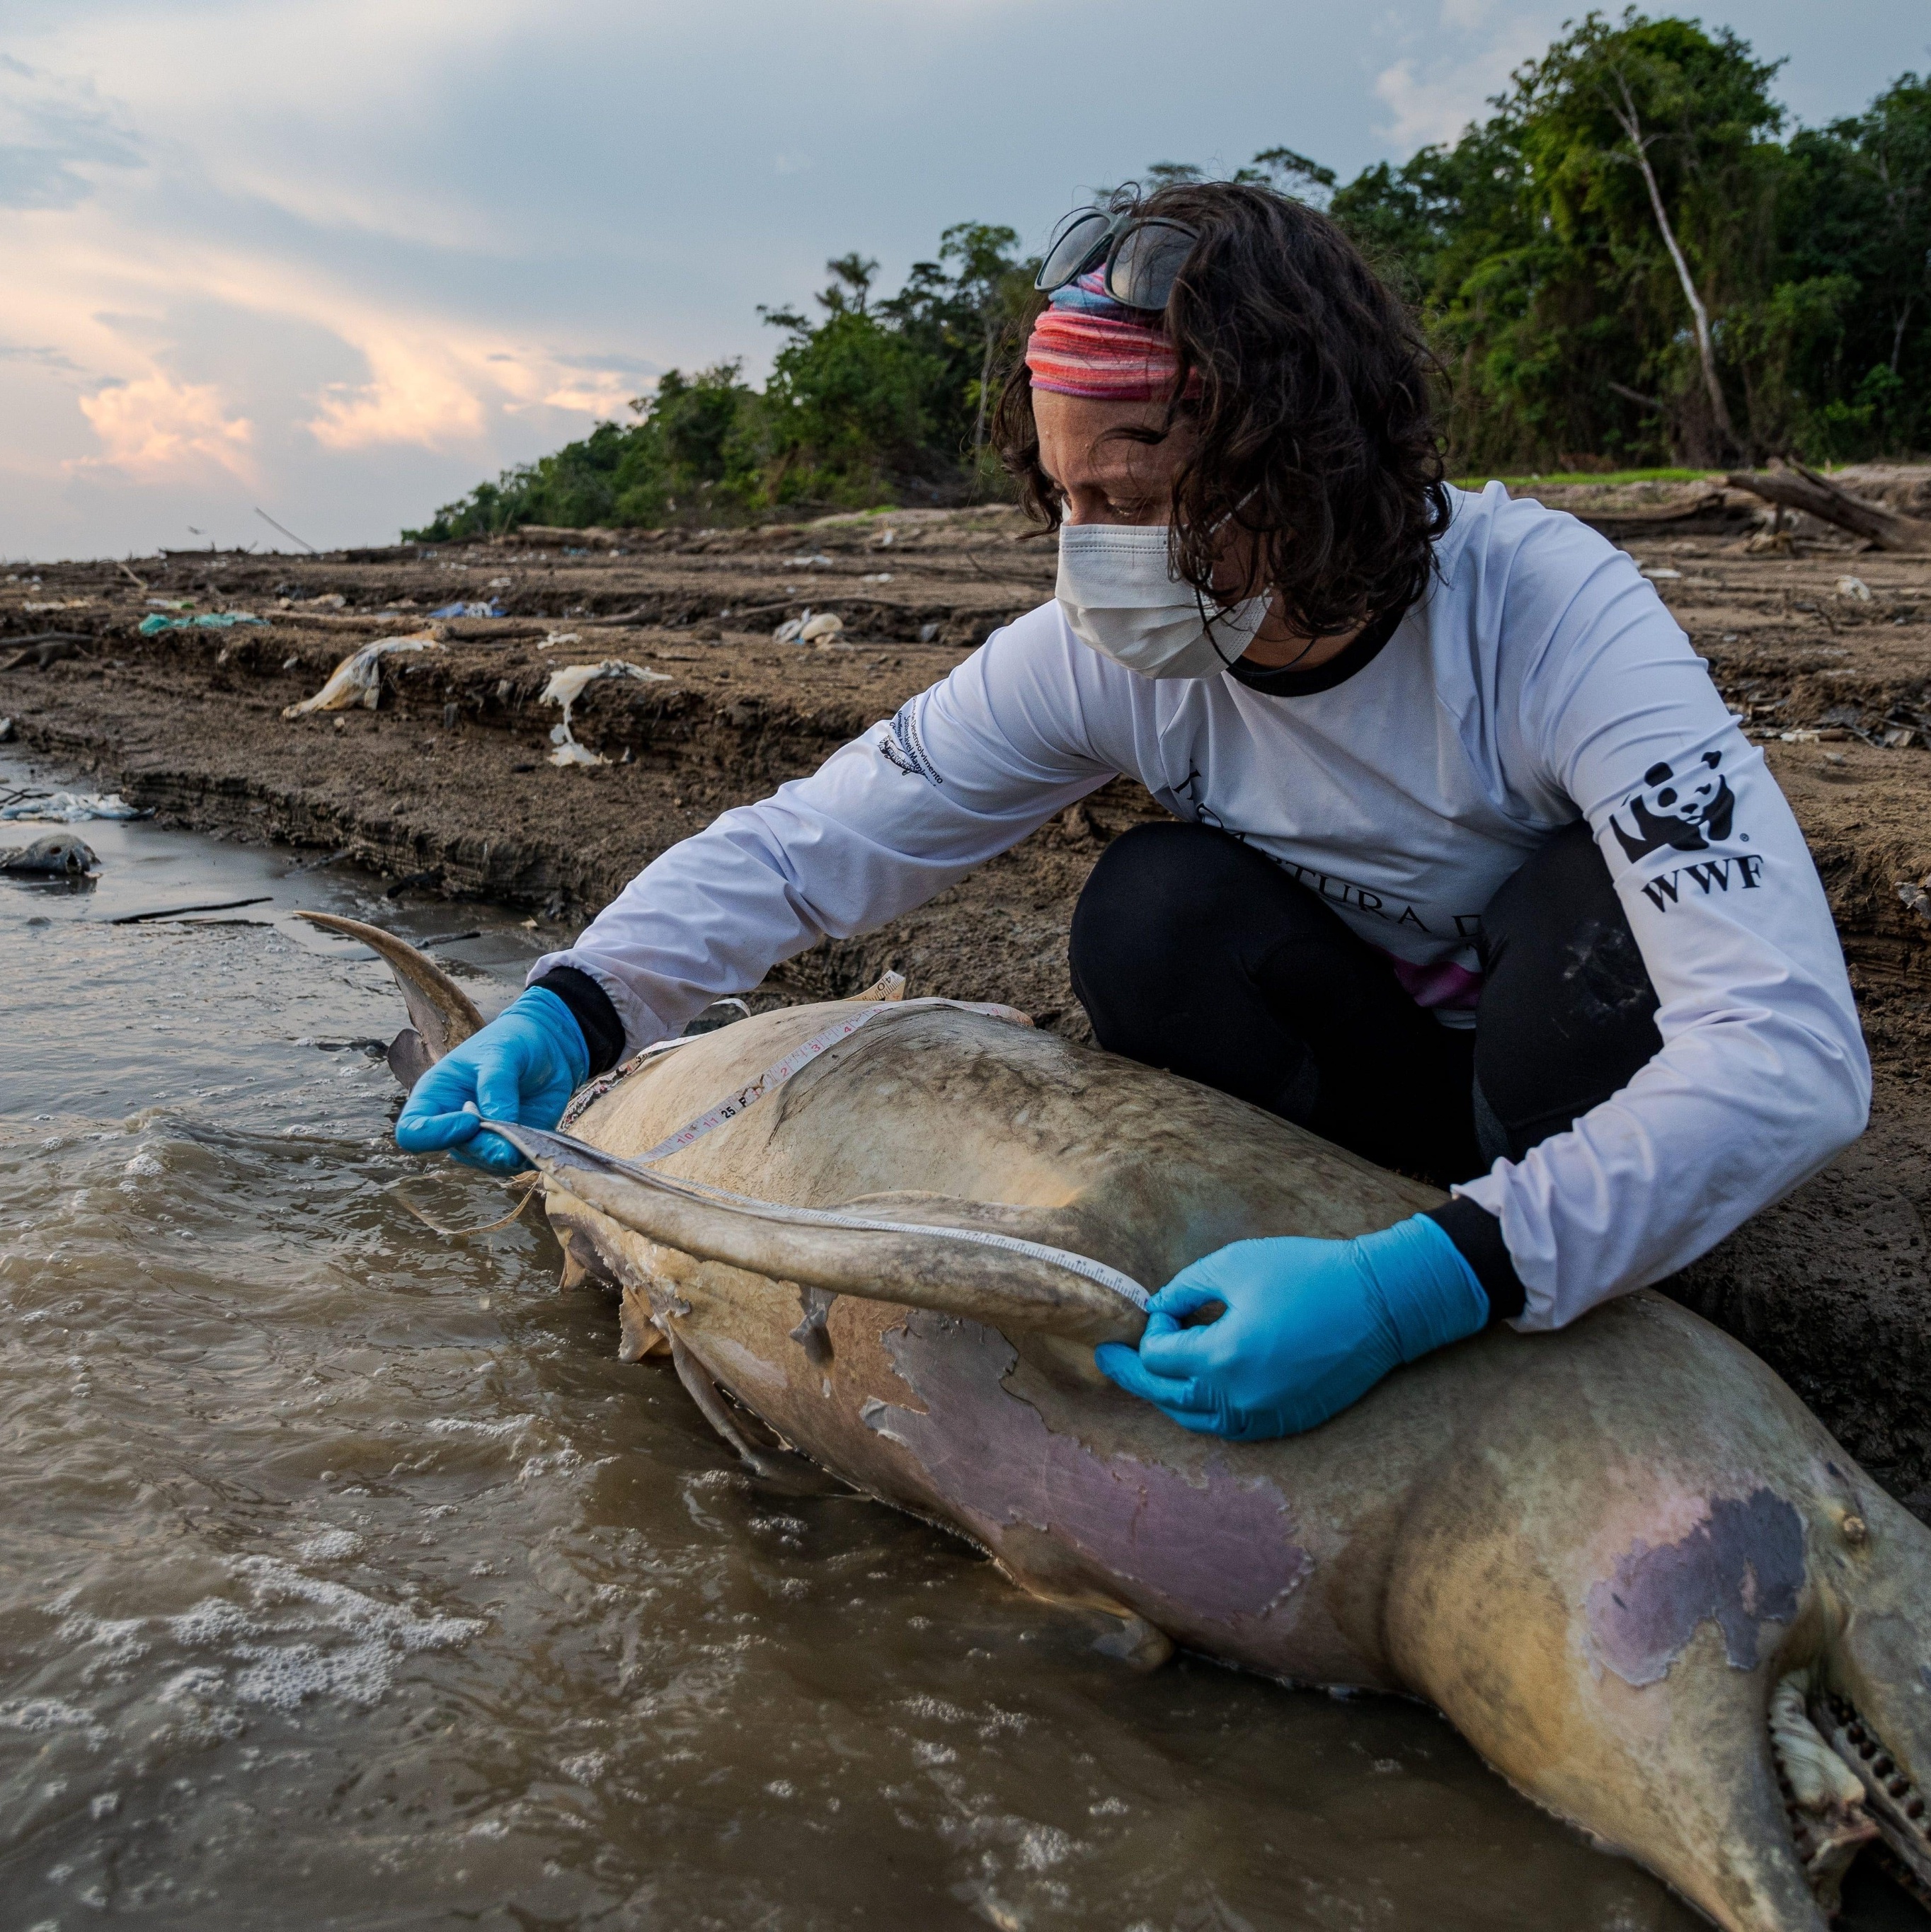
x=1678 y=812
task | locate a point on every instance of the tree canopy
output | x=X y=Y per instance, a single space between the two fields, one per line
x=1634 y=258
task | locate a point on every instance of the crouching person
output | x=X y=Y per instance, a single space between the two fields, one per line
x=1468 y=869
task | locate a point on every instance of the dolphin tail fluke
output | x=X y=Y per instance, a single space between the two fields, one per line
x=441 y=1015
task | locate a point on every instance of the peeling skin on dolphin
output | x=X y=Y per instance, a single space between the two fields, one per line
x=1741 y=1567
x=811 y=1334
x=1693 y=1651
x=1217 y=1552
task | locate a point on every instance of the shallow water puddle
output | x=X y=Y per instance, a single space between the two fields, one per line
x=346 y=1577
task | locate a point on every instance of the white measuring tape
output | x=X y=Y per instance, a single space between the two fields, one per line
x=775 y=1075
x=570 y=1152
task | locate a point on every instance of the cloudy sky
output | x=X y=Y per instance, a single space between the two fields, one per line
x=340 y=258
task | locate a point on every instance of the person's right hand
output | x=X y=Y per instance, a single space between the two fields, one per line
x=522 y=1067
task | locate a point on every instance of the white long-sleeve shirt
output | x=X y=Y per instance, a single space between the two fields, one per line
x=1540 y=680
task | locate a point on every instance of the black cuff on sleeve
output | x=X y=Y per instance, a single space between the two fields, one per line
x=1478 y=1233
x=590 y=1006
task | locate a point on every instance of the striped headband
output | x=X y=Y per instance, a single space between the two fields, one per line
x=1084 y=344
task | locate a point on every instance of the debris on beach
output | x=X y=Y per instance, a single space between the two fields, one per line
x=357 y=680
x=567 y=684
x=73 y=808
x=155 y=622
x=159 y=913
x=51 y=647
x=59 y=855
x=822 y=628
x=493 y=608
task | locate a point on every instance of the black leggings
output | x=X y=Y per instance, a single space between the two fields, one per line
x=1193 y=951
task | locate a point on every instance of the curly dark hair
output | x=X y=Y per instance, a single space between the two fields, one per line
x=1313 y=427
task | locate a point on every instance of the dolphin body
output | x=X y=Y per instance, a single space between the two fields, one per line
x=1625 y=1560
x=60 y=855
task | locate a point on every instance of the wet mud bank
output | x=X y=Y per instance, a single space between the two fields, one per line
x=445 y=788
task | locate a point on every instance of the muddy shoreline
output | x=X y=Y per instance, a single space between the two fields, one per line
x=445 y=788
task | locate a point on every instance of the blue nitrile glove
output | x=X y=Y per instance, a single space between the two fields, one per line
x=523 y=1066
x=1310 y=1327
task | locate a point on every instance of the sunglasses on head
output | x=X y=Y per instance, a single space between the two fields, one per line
x=1143 y=255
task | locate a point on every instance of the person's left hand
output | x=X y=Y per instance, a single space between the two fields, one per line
x=523 y=1067
x=1310 y=1328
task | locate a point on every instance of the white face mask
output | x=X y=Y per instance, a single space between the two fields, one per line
x=1121 y=600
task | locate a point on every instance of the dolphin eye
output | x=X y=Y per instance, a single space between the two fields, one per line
x=1667 y=797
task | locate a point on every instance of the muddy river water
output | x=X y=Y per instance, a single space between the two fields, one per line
x=348 y=1579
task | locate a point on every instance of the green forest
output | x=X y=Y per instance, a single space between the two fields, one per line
x=1637 y=260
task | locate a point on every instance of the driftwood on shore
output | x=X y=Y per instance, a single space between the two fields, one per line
x=1711 y=513
x=1797 y=488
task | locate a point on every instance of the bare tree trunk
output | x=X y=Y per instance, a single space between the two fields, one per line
x=1630 y=121
x=1897 y=333
x=1623 y=390
x=1798 y=488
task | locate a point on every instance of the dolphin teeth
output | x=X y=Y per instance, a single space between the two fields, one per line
x=1824 y=1799
x=1896 y=1808
x=1820 y=1781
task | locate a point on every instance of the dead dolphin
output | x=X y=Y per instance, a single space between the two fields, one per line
x=1625 y=1561
x=59 y=855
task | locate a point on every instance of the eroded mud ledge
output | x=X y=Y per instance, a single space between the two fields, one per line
x=446 y=786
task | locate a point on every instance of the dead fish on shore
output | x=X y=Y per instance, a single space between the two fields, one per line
x=1625 y=1560
x=60 y=855
x=42 y=652
x=357 y=680
x=568 y=682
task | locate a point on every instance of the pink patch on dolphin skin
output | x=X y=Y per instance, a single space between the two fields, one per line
x=1222 y=1551
x=1743 y=1564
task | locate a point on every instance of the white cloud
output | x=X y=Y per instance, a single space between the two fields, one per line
x=54 y=135
x=419 y=393
x=156 y=428
x=1433 y=97
x=331 y=245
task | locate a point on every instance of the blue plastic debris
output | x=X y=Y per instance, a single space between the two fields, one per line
x=209 y=620
x=493 y=608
